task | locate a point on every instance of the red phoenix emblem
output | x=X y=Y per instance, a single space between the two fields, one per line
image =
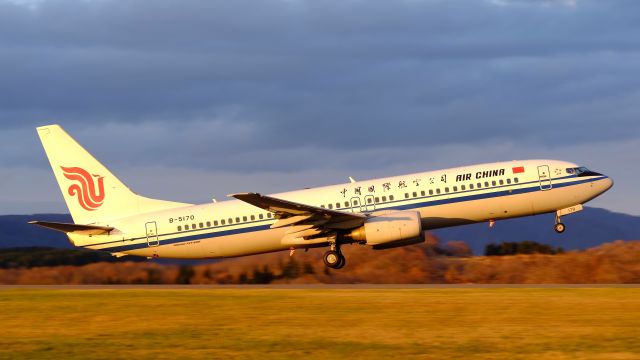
x=89 y=195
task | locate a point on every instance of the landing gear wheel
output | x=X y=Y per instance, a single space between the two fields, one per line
x=334 y=259
x=559 y=228
x=331 y=258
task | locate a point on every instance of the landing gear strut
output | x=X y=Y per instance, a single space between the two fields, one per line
x=334 y=258
x=558 y=227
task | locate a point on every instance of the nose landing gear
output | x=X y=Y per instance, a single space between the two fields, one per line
x=559 y=227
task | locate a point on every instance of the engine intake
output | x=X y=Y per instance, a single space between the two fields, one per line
x=389 y=230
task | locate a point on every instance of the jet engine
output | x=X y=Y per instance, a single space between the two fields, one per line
x=391 y=229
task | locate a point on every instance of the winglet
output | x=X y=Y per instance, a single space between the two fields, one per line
x=352 y=179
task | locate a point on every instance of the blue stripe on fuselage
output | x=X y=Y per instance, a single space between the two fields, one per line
x=500 y=193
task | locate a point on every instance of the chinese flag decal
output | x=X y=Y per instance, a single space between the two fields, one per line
x=518 y=169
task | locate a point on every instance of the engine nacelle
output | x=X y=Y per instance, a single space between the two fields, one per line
x=389 y=230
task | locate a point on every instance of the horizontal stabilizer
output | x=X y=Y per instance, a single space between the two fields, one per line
x=74 y=228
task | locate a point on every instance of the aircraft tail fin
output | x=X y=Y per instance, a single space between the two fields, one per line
x=92 y=193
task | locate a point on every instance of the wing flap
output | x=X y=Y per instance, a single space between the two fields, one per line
x=290 y=220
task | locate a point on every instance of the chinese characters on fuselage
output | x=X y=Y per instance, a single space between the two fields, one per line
x=402 y=184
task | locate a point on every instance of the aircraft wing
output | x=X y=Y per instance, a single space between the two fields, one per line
x=293 y=213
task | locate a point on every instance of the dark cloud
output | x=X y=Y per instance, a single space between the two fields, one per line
x=251 y=86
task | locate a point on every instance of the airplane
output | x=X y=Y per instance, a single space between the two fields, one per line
x=381 y=213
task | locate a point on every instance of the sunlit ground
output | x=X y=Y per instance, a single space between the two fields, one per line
x=489 y=323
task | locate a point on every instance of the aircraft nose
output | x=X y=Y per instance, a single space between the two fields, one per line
x=604 y=184
x=608 y=183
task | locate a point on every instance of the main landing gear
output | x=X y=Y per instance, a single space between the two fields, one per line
x=334 y=258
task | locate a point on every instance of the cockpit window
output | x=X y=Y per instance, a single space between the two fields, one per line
x=582 y=171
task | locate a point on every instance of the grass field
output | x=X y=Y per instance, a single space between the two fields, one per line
x=485 y=323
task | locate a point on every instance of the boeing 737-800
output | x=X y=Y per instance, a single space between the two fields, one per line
x=382 y=213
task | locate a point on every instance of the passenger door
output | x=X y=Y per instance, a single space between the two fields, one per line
x=544 y=176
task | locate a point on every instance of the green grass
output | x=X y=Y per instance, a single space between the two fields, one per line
x=489 y=323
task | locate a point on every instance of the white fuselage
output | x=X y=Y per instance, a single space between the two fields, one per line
x=443 y=198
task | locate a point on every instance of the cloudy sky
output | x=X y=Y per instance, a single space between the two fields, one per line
x=189 y=100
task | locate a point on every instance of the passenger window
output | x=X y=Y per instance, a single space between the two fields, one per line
x=391 y=197
x=501 y=182
x=215 y=222
x=222 y=222
x=193 y=226
x=377 y=200
x=406 y=195
x=330 y=206
x=237 y=220
x=470 y=187
x=201 y=225
x=384 y=198
x=346 y=204
x=486 y=184
x=455 y=188
x=508 y=181
x=179 y=228
x=462 y=187
x=208 y=223
x=244 y=218
x=415 y=194
x=322 y=206
x=355 y=202
x=422 y=193
x=493 y=183
x=260 y=216
x=337 y=205
x=253 y=217
x=479 y=185
x=515 y=180
x=230 y=221
x=438 y=191
x=269 y=215
x=186 y=226
x=430 y=191
x=369 y=200
x=446 y=189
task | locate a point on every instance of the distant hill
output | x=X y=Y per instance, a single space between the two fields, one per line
x=16 y=232
x=585 y=229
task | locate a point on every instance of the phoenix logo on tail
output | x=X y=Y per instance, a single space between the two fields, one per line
x=89 y=197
